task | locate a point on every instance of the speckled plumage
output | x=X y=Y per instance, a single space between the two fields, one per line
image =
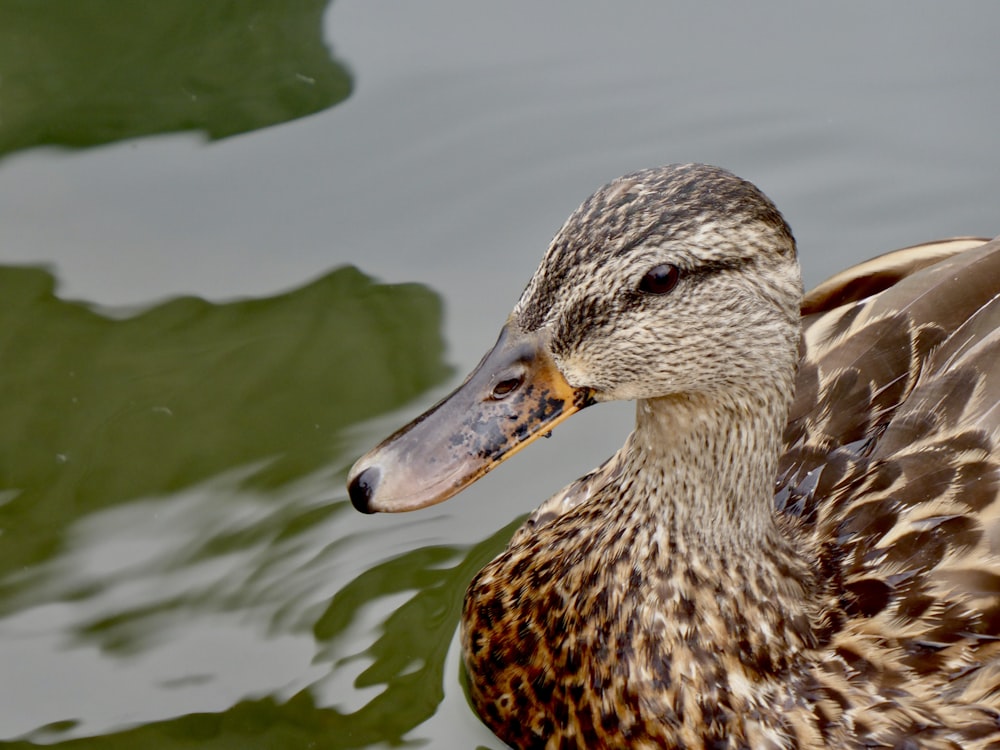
x=797 y=547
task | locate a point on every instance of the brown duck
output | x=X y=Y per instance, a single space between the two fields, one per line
x=799 y=544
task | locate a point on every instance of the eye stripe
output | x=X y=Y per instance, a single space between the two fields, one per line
x=712 y=267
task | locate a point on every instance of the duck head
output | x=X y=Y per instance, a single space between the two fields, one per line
x=679 y=282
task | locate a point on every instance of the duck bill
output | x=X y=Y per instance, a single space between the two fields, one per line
x=514 y=395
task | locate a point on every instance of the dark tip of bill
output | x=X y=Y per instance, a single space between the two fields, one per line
x=362 y=487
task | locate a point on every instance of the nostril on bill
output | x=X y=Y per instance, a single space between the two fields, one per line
x=362 y=488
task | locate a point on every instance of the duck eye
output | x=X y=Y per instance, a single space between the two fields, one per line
x=660 y=279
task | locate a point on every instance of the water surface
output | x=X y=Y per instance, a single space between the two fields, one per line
x=239 y=247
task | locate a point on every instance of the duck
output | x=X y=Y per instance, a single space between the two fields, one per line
x=798 y=546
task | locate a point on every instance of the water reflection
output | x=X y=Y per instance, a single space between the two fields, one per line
x=223 y=68
x=408 y=657
x=101 y=411
x=170 y=543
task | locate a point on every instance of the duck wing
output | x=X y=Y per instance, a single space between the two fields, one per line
x=892 y=460
x=878 y=274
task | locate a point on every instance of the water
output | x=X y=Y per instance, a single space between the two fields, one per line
x=189 y=369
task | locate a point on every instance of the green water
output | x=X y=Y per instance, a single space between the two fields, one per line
x=240 y=242
x=98 y=71
x=101 y=411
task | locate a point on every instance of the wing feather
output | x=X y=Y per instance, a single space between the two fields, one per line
x=892 y=461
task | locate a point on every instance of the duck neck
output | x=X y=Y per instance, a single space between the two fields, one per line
x=699 y=473
x=713 y=460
